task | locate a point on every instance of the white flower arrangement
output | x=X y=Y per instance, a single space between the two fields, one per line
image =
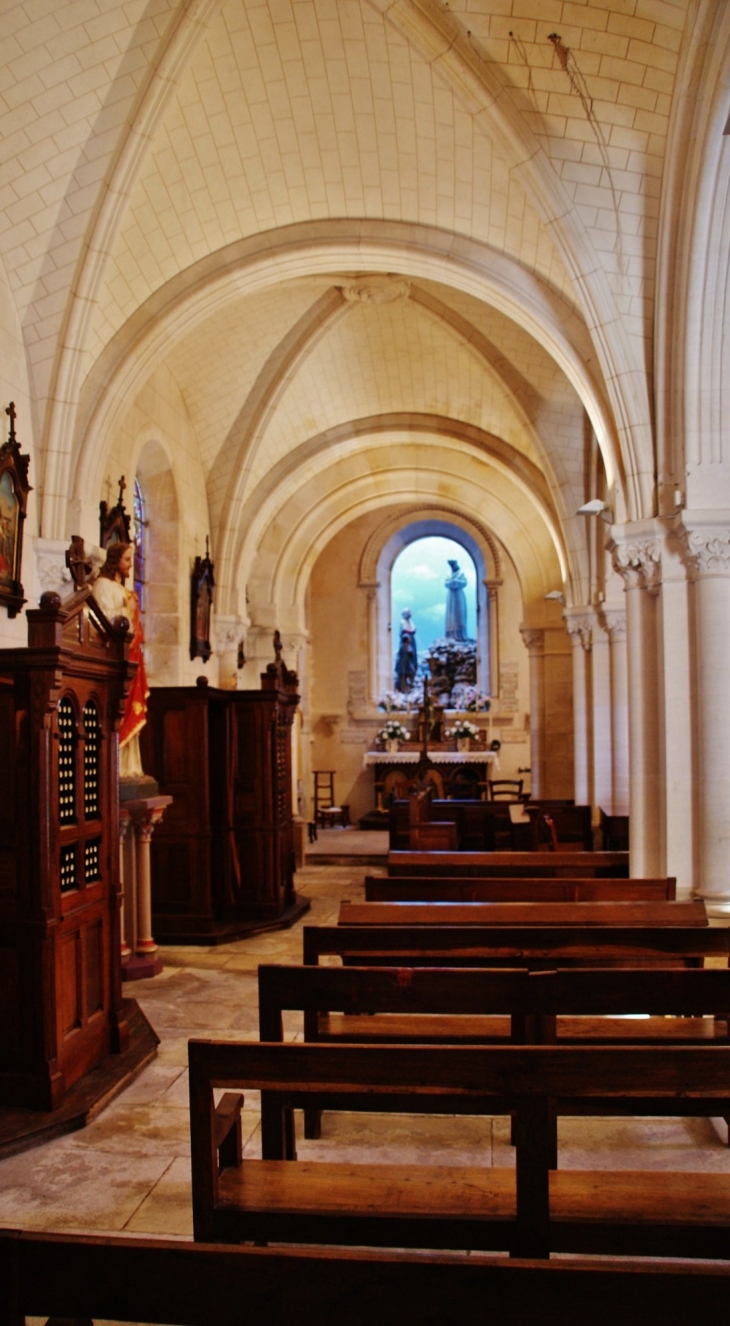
x=393 y=731
x=475 y=701
x=463 y=728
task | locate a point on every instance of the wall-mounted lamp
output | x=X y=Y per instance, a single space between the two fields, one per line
x=556 y=594
x=597 y=507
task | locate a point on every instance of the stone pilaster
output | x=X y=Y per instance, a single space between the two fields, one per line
x=706 y=545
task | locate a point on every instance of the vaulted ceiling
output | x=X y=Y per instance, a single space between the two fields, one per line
x=398 y=229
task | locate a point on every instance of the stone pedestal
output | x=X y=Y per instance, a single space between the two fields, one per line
x=138 y=819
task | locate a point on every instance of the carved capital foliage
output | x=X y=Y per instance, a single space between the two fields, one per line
x=615 y=624
x=227 y=631
x=579 y=626
x=706 y=551
x=639 y=564
x=534 y=639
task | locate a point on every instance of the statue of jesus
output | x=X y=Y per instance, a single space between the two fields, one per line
x=455 y=604
x=115 y=600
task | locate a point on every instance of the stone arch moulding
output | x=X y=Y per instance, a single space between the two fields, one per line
x=335 y=248
x=376 y=565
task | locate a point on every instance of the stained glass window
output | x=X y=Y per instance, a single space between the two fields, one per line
x=139 y=536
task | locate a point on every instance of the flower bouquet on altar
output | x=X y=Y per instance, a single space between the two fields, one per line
x=392 y=733
x=463 y=733
x=474 y=701
x=391 y=701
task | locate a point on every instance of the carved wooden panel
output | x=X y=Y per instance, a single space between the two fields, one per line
x=60 y=970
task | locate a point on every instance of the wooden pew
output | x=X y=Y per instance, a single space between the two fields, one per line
x=443 y=1005
x=407 y=888
x=536 y=947
x=531 y=865
x=524 y=913
x=79 y=1277
x=529 y=1211
x=385 y=1005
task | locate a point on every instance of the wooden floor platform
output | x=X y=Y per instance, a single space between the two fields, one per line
x=21 y=1129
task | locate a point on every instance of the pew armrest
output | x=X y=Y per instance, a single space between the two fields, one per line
x=228 y=1141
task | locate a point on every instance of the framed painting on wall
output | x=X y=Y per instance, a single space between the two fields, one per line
x=14 y=489
x=202 y=584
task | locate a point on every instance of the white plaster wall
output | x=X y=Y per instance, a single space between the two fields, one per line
x=14 y=387
x=158 y=425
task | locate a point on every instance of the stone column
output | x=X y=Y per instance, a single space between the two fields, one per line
x=638 y=562
x=373 y=640
x=579 y=625
x=601 y=718
x=144 y=813
x=493 y=587
x=126 y=922
x=615 y=620
x=535 y=645
x=707 y=550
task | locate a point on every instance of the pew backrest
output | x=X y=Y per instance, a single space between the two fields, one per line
x=75 y=1276
x=555 y=865
x=525 y=913
x=516 y=946
x=467 y=991
x=407 y=888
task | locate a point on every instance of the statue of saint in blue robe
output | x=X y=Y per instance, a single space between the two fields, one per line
x=455 y=604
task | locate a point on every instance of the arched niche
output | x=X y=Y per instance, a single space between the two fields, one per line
x=164 y=609
x=376 y=566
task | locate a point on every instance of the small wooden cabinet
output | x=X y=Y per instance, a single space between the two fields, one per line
x=223 y=857
x=60 y=983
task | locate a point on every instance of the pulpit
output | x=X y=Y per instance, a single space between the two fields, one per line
x=223 y=857
x=60 y=985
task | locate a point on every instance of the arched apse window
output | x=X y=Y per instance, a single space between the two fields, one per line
x=376 y=567
x=418 y=588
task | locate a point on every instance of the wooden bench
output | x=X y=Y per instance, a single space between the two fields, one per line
x=524 y=913
x=80 y=1277
x=527 y=1211
x=442 y=1005
x=535 y=947
x=531 y=865
x=407 y=888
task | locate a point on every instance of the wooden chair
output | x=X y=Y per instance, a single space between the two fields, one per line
x=505 y=789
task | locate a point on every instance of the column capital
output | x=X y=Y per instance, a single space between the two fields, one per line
x=704 y=538
x=228 y=631
x=614 y=621
x=637 y=558
x=579 y=623
x=534 y=638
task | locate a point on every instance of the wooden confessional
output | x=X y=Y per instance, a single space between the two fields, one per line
x=223 y=857
x=60 y=984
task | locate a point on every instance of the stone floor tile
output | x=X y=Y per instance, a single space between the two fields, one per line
x=63 y=1186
